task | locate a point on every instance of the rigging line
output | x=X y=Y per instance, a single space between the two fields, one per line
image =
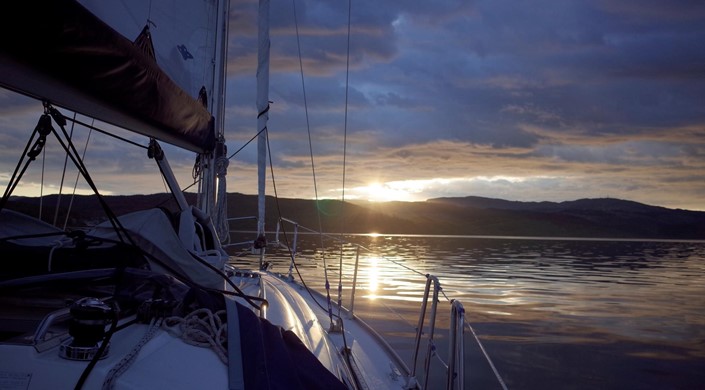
x=247 y=143
x=177 y=274
x=84 y=172
x=313 y=166
x=288 y=247
x=394 y=261
x=14 y=177
x=286 y=236
x=337 y=238
x=298 y=272
x=166 y=187
x=487 y=357
x=63 y=176
x=345 y=154
x=18 y=173
x=345 y=121
x=149 y=12
x=198 y=181
x=168 y=197
x=308 y=123
x=340 y=279
x=389 y=308
x=348 y=353
x=91 y=127
x=71 y=151
x=78 y=175
x=41 y=184
x=225 y=278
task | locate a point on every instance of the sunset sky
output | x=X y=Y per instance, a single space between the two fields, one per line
x=542 y=100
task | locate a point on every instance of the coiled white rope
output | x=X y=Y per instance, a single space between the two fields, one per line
x=201 y=328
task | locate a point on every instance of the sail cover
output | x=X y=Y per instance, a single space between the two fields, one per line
x=81 y=56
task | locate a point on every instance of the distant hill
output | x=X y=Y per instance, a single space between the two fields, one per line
x=603 y=218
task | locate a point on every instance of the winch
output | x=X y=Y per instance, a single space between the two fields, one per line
x=89 y=317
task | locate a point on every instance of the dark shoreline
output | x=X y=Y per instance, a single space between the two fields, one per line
x=604 y=218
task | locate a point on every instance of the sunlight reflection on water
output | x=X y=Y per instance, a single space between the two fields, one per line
x=539 y=304
x=372 y=276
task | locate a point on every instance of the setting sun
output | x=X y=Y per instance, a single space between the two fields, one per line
x=377 y=192
x=399 y=190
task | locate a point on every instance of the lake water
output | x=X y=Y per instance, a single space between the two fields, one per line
x=551 y=314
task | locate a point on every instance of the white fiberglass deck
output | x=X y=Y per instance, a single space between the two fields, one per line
x=293 y=308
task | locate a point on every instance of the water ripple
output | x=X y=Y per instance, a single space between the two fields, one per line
x=646 y=298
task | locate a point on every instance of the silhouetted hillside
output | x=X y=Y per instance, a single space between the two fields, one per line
x=604 y=217
x=458 y=216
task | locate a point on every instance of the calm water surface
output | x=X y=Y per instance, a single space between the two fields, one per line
x=552 y=314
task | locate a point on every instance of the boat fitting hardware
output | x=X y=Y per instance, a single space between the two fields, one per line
x=89 y=317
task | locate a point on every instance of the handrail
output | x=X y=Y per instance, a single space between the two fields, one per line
x=412 y=381
x=456 y=346
x=455 y=371
x=351 y=313
x=241 y=218
x=455 y=367
x=38 y=339
x=293 y=246
x=263 y=294
x=244 y=243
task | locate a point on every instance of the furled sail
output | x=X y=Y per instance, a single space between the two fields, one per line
x=82 y=57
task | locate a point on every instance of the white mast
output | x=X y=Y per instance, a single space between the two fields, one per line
x=212 y=187
x=220 y=158
x=262 y=109
x=220 y=71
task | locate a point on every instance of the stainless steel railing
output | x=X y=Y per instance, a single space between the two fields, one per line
x=455 y=361
x=456 y=350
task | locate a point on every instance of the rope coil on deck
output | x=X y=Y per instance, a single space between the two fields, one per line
x=202 y=328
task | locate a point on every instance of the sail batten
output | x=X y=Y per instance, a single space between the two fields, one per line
x=75 y=60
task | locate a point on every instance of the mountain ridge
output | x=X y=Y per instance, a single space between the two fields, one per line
x=471 y=215
x=602 y=203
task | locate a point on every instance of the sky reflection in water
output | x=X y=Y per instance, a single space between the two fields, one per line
x=538 y=304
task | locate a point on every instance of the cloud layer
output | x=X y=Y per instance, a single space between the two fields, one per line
x=544 y=100
x=551 y=100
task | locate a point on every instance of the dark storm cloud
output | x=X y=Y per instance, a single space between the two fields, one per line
x=550 y=81
x=583 y=67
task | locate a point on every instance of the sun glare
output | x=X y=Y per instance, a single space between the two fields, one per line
x=379 y=193
x=400 y=190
